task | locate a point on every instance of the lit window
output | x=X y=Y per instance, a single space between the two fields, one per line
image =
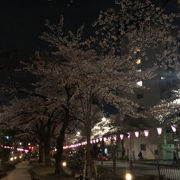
x=138 y=70
x=139 y=83
x=138 y=61
x=162 y=78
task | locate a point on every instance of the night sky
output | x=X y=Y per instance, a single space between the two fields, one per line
x=22 y=21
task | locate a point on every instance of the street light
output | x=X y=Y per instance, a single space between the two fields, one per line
x=103 y=119
x=128 y=176
x=64 y=164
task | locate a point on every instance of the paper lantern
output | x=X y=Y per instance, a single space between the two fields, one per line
x=109 y=138
x=121 y=136
x=129 y=135
x=137 y=134
x=146 y=133
x=100 y=139
x=173 y=127
x=115 y=138
x=159 y=131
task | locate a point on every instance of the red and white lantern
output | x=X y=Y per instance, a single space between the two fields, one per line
x=146 y=133
x=137 y=134
x=159 y=130
x=129 y=135
x=115 y=138
x=173 y=127
x=121 y=136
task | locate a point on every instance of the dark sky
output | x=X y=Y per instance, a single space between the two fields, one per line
x=22 y=21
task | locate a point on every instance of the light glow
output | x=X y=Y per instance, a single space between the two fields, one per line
x=139 y=84
x=128 y=176
x=103 y=119
x=138 y=61
x=64 y=164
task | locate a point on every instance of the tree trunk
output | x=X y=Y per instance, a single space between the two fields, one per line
x=123 y=149
x=114 y=152
x=102 y=151
x=88 y=153
x=58 y=157
x=41 y=152
x=47 y=153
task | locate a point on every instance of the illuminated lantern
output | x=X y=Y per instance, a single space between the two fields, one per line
x=137 y=134
x=115 y=138
x=173 y=127
x=121 y=136
x=159 y=131
x=94 y=141
x=129 y=135
x=109 y=138
x=105 y=138
x=91 y=141
x=97 y=140
x=146 y=133
x=100 y=138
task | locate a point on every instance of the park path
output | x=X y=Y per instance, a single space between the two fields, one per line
x=20 y=173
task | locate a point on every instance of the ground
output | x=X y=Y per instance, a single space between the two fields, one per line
x=21 y=172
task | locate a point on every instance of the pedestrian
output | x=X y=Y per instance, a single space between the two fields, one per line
x=140 y=155
x=174 y=158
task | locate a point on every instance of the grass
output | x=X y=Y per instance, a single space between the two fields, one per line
x=42 y=172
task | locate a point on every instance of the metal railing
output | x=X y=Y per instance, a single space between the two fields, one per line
x=171 y=173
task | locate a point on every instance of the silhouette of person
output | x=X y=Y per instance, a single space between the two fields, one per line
x=140 y=155
x=174 y=157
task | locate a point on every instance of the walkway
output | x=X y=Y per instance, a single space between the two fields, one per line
x=20 y=173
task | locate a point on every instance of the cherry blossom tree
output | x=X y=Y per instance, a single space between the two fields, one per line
x=35 y=120
x=102 y=68
x=168 y=109
x=57 y=85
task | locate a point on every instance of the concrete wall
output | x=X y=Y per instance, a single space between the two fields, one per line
x=153 y=144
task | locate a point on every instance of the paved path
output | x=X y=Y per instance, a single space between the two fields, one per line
x=20 y=173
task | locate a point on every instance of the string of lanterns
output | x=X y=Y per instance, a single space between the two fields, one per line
x=12 y=148
x=136 y=133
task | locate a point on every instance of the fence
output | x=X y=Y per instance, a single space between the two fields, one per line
x=171 y=173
